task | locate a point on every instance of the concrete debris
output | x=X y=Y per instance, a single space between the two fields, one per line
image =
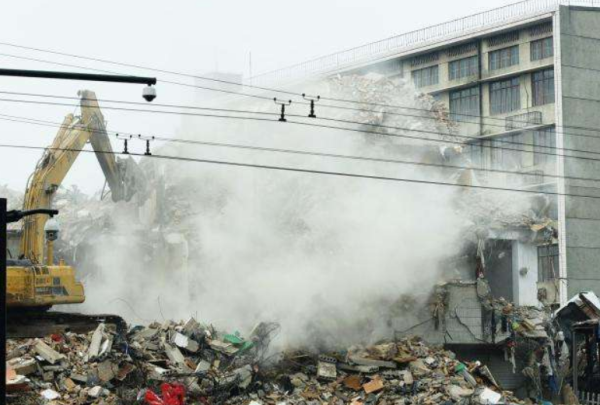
x=185 y=342
x=47 y=353
x=326 y=370
x=489 y=397
x=98 y=391
x=228 y=369
x=175 y=356
x=22 y=366
x=94 y=348
x=103 y=367
x=49 y=394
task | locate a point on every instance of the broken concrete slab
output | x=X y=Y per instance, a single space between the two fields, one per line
x=145 y=334
x=97 y=392
x=191 y=328
x=185 y=342
x=95 y=344
x=23 y=366
x=80 y=378
x=326 y=370
x=47 y=353
x=362 y=361
x=223 y=347
x=202 y=367
x=105 y=371
x=175 y=357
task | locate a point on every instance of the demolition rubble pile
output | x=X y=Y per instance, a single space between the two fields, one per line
x=196 y=362
x=377 y=91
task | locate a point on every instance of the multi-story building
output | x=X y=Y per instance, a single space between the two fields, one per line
x=525 y=77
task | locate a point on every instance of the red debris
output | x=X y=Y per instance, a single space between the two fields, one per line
x=172 y=394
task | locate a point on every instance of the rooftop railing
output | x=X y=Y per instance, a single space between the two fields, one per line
x=405 y=42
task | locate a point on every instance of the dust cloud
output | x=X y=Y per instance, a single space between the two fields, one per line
x=331 y=258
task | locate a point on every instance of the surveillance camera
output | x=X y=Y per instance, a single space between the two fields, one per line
x=51 y=229
x=149 y=93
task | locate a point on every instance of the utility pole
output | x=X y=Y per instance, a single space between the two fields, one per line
x=3 y=247
x=149 y=94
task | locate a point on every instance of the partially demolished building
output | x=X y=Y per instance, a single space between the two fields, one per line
x=507 y=86
x=515 y=82
x=512 y=78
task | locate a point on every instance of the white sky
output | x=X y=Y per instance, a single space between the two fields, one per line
x=188 y=36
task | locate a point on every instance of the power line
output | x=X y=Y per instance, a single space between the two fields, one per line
x=27 y=120
x=294 y=115
x=189 y=107
x=325 y=126
x=307 y=171
x=481 y=116
x=427 y=116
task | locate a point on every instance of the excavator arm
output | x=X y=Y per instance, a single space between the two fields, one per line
x=91 y=114
x=56 y=162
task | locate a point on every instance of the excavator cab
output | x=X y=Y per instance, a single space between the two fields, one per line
x=35 y=285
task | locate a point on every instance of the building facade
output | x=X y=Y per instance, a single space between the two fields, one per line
x=523 y=84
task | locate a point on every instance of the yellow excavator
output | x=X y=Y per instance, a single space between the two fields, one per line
x=35 y=282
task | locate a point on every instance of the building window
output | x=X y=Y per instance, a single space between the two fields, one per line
x=544 y=144
x=503 y=58
x=507 y=153
x=464 y=105
x=475 y=152
x=505 y=96
x=463 y=68
x=426 y=76
x=547 y=262
x=542 y=48
x=542 y=84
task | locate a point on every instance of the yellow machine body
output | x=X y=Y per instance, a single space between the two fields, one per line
x=42 y=286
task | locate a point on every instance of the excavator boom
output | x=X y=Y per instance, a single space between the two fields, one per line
x=56 y=162
x=34 y=282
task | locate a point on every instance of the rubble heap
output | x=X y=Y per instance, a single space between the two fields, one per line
x=194 y=361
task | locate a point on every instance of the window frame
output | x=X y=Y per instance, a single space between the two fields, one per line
x=544 y=140
x=503 y=58
x=435 y=79
x=512 y=105
x=465 y=67
x=544 y=252
x=543 y=51
x=542 y=87
x=461 y=99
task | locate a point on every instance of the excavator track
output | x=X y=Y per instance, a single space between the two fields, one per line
x=29 y=324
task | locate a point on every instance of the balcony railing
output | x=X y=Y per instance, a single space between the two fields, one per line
x=405 y=42
x=523 y=120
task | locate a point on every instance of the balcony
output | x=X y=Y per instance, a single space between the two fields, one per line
x=524 y=120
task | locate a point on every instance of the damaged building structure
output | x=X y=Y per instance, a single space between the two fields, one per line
x=513 y=87
x=520 y=84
